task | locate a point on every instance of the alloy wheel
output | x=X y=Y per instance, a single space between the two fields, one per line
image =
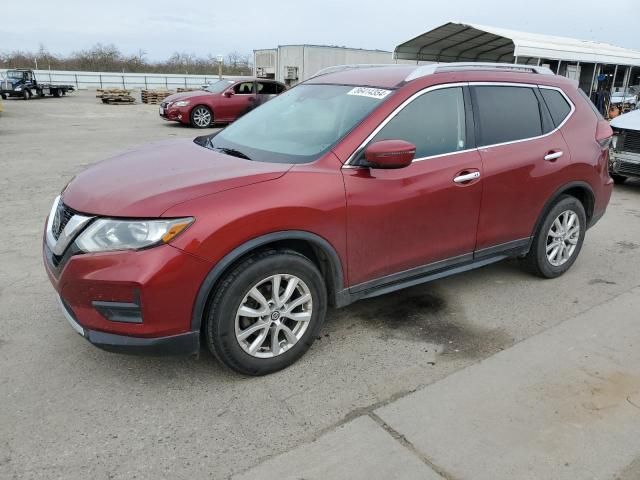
x=562 y=238
x=273 y=315
x=201 y=117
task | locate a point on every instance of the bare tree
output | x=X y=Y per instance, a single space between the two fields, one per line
x=108 y=58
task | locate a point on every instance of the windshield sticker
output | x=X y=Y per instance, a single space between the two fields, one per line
x=369 y=92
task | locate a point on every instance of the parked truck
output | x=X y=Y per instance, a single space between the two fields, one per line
x=22 y=82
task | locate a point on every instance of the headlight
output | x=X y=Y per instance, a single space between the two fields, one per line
x=18 y=88
x=107 y=234
x=614 y=141
x=181 y=103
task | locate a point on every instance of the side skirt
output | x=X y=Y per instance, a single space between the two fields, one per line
x=434 y=271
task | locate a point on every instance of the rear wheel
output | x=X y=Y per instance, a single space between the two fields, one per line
x=201 y=117
x=57 y=92
x=266 y=312
x=559 y=239
x=618 y=179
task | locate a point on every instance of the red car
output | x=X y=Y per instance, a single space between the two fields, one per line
x=355 y=183
x=221 y=102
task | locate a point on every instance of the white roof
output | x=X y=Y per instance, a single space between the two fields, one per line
x=453 y=42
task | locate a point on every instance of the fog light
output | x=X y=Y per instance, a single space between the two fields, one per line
x=180 y=117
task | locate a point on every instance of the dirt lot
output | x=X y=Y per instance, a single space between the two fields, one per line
x=69 y=410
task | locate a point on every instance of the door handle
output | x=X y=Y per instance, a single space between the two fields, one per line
x=466 y=177
x=550 y=157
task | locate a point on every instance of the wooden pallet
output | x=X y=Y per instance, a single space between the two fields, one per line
x=112 y=92
x=183 y=90
x=118 y=100
x=154 y=97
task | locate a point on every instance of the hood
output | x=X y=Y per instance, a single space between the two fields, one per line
x=628 y=121
x=145 y=182
x=186 y=95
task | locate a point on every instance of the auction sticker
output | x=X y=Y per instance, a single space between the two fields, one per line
x=369 y=92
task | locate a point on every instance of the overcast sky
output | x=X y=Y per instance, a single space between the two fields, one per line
x=162 y=27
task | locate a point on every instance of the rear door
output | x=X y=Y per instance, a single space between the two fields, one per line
x=413 y=217
x=522 y=152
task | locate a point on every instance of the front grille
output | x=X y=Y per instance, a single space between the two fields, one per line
x=62 y=217
x=631 y=141
x=7 y=85
x=628 y=168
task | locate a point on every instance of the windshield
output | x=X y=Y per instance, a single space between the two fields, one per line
x=14 y=74
x=219 y=86
x=299 y=125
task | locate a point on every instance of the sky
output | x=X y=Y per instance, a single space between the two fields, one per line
x=162 y=27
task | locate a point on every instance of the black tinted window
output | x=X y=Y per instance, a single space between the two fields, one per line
x=268 y=88
x=433 y=122
x=557 y=104
x=245 y=88
x=507 y=113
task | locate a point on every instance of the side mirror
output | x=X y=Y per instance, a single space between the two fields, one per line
x=390 y=154
x=228 y=93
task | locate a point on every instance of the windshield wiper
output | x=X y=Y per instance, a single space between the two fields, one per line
x=233 y=152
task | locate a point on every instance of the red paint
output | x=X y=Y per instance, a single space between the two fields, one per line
x=225 y=106
x=379 y=221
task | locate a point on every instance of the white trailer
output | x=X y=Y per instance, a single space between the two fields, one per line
x=291 y=64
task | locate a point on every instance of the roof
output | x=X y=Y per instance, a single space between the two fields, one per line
x=383 y=76
x=309 y=45
x=393 y=75
x=453 y=42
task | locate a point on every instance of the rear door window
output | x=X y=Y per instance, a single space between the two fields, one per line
x=267 y=88
x=434 y=122
x=506 y=114
x=557 y=104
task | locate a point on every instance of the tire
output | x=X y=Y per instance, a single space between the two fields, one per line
x=201 y=117
x=41 y=93
x=537 y=261
x=26 y=94
x=224 y=326
x=4 y=96
x=57 y=92
x=618 y=179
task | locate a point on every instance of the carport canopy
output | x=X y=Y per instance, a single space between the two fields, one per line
x=465 y=42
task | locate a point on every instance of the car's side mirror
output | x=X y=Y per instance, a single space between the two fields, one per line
x=390 y=154
x=228 y=93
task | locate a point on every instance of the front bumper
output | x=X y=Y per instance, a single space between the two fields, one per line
x=625 y=163
x=181 y=344
x=174 y=114
x=130 y=301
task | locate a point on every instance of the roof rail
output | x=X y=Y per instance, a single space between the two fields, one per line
x=462 y=66
x=340 y=68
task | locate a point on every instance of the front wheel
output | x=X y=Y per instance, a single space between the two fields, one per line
x=266 y=312
x=26 y=94
x=201 y=117
x=559 y=239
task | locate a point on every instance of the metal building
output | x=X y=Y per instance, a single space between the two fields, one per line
x=599 y=68
x=295 y=63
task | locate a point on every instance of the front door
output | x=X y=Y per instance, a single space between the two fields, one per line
x=242 y=100
x=412 y=217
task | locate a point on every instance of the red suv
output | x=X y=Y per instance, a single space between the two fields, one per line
x=221 y=102
x=355 y=183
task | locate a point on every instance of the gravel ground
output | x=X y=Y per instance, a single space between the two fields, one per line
x=69 y=410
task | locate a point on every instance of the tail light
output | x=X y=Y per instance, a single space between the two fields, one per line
x=604 y=133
